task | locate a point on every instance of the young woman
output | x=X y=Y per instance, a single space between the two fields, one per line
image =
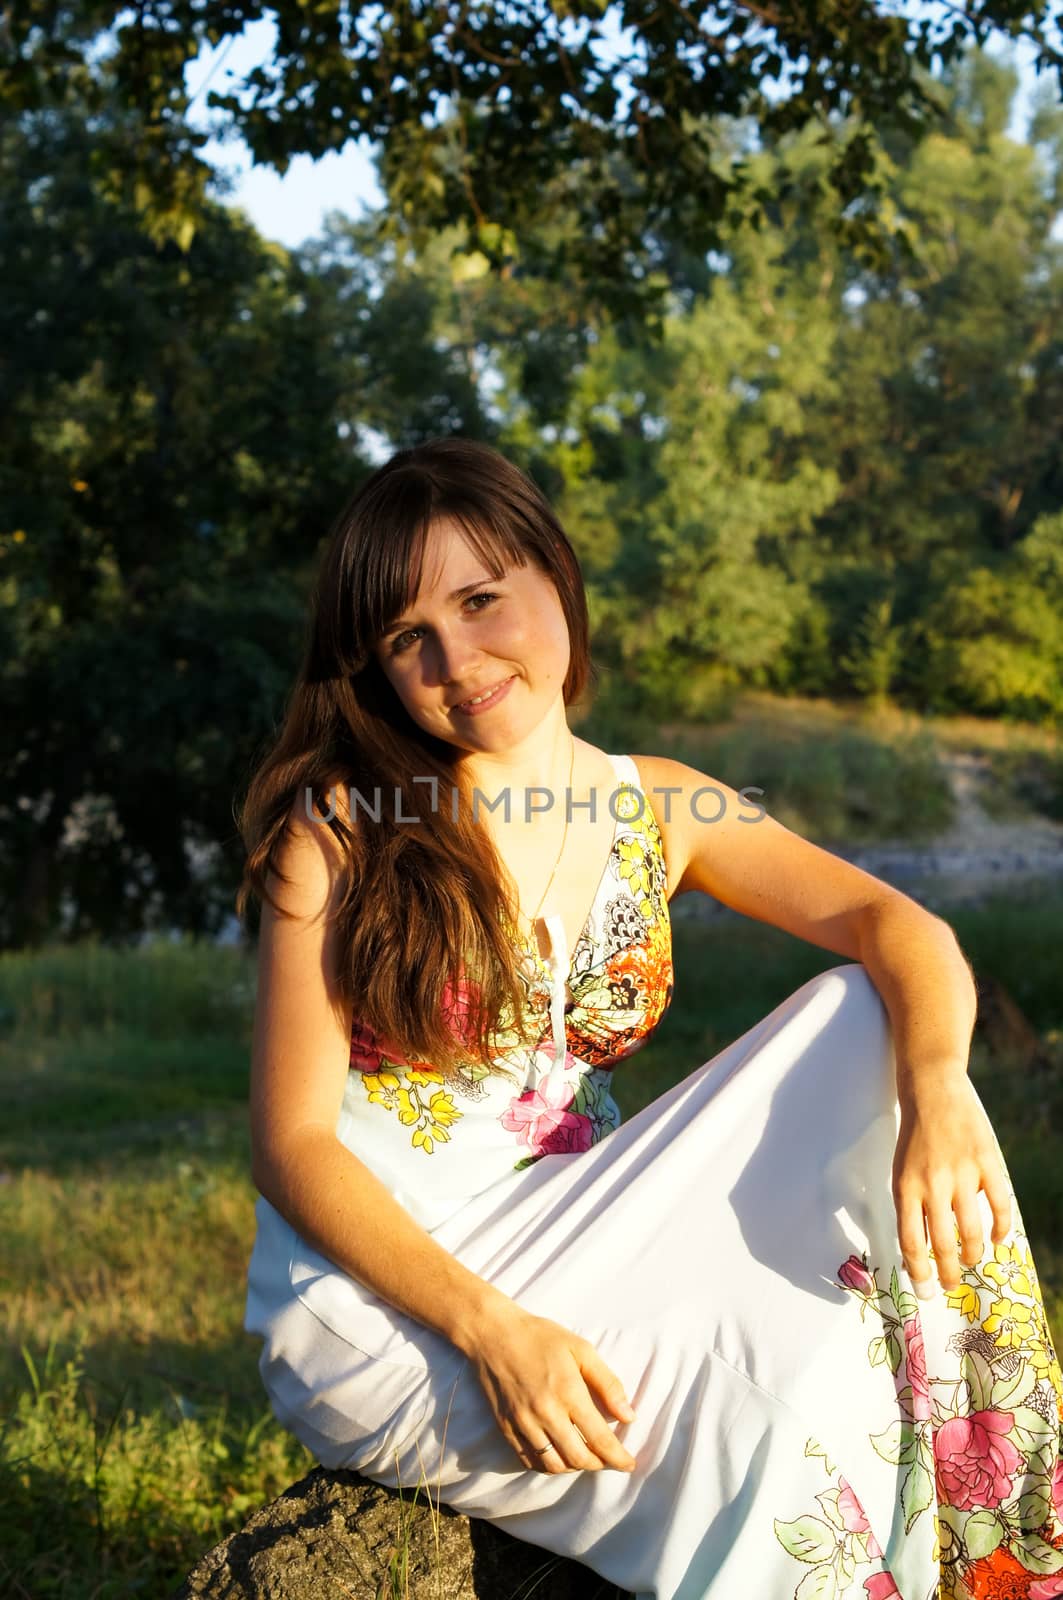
x=684 y=1350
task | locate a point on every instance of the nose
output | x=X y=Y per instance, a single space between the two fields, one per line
x=454 y=654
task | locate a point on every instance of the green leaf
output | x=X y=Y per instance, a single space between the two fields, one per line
x=1036 y=1555
x=1041 y=1462
x=815 y=1449
x=894 y=1350
x=917 y=1492
x=888 y=1443
x=982 y=1533
x=1007 y=1393
x=819 y=1584
x=876 y=1352
x=1029 y=1429
x=954 y=1519
x=807 y=1538
x=979 y=1377
x=466 y=266
x=829 y=1501
x=1033 y=1507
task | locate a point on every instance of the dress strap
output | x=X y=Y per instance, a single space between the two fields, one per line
x=626 y=770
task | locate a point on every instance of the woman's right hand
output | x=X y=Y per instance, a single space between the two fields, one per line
x=543 y=1383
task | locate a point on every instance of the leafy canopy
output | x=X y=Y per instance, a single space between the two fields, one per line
x=506 y=117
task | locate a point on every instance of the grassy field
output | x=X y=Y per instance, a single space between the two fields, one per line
x=135 y=1431
x=849 y=773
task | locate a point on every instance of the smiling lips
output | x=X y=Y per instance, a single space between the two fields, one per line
x=487 y=696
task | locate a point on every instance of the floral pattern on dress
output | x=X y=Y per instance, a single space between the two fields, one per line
x=544 y=1120
x=979 y=1448
x=560 y=1117
x=622 y=979
x=620 y=985
x=835 y=1542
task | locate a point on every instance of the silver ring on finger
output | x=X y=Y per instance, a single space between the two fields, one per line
x=549 y=1445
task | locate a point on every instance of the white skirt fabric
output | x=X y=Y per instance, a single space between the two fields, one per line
x=805 y=1427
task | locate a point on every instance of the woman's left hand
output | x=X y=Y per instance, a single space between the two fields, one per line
x=945 y=1153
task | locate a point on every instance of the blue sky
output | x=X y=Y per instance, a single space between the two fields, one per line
x=291 y=209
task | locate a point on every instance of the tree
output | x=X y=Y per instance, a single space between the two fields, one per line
x=780 y=490
x=505 y=119
x=995 y=642
x=169 y=460
x=949 y=440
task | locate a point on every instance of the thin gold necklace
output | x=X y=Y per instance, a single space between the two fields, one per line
x=564 y=836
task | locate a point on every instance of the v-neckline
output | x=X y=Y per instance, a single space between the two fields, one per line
x=530 y=941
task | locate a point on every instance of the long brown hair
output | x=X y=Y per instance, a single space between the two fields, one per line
x=426 y=963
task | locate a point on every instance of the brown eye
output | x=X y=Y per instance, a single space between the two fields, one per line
x=398 y=645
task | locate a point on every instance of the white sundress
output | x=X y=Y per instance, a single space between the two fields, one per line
x=805 y=1426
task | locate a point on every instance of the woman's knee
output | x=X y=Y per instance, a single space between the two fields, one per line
x=858 y=1010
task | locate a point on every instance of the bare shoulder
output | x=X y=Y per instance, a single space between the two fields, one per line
x=309 y=856
x=723 y=842
x=684 y=800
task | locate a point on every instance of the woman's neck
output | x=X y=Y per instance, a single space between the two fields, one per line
x=522 y=777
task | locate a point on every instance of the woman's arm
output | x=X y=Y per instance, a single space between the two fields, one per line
x=338 y=1205
x=299 y=1063
x=916 y=964
x=542 y=1382
x=946 y=1150
x=717 y=842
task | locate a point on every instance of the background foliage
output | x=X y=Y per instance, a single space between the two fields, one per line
x=135 y=1430
x=591 y=152
x=825 y=476
x=790 y=368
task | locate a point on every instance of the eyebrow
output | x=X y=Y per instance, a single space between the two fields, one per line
x=456 y=594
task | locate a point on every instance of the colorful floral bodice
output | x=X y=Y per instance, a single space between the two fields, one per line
x=435 y=1141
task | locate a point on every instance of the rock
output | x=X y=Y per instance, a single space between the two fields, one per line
x=337 y=1533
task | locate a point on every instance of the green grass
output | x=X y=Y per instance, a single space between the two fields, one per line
x=846 y=773
x=136 y=1433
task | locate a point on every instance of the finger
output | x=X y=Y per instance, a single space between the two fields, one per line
x=550 y=1460
x=972 y=1229
x=998 y=1193
x=569 y=1451
x=995 y=1182
x=533 y=1451
x=575 y=1448
x=529 y=1457
x=943 y=1239
x=601 y=1439
x=520 y=1442
x=603 y=1383
x=541 y=1457
x=911 y=1235
x=528 y=1437
x=545 y=1460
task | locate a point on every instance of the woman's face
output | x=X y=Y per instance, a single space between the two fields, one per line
x=449 y=647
